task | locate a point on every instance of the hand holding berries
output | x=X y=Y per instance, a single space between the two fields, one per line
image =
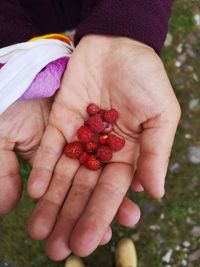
x=97 y=124
x=77 y=205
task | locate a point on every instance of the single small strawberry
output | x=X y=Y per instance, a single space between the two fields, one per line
x=101 y=112
x=83 y=158
x=92 y=163
x=95 y=123
x=102 y=139
x=74 y=150
x=92 y=109
x=107 y=127
x=84 y=134
x=115 y=143
x=91 y=147
x=104 y=154
x=111 y=115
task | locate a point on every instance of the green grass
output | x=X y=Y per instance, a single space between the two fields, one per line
x=182 y=20
x=24 y=169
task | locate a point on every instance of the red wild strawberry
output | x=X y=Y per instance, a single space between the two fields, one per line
x=107 y=127
x=111 y=115
x=95 y=123
x=115 y=143
x=91 y=147
x=92 y=109
x=83 y=158
x=84 y=134
x=74 y=150
x=104 y=154
x=101 y=113
x=92 y=163
x=102 y=139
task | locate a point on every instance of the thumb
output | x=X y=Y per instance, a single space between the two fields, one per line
x=10 y=179
x=155 y=148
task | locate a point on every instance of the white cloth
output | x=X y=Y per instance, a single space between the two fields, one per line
x=23 y=62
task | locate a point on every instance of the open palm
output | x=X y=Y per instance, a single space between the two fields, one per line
x=76 y=209
x=21 y=128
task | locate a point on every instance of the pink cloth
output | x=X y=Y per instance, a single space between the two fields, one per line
x=47 y=81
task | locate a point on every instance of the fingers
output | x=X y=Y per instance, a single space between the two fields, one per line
x=46 y=211
x=155 y=148
x=101 y=209
x=56 y=247
x=46 y=157
x=65 y=251
x=136 y=185
x=10 y=179
x=107 y=236
x=80 y=192
x=128 y=213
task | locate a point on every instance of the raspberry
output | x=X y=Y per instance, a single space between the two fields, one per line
x=115 y=143
x=74 y=150
x=84 y=134
x=91 y=147
x=92 y=163
x=102 y=139
x=104 y=154
x=111 y=115
x=107 y=127
x=92 y=109
x=95 y=123
x=83 y=158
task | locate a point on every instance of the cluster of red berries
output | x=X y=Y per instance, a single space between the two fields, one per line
x=96 y=143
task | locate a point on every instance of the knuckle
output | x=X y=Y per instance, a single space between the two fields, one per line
x=82 y=189
x=47 y=149
x=61 y=177
x=112 y=189
x=40 y=170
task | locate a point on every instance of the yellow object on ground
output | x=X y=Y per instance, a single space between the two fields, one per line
x=125 y=255
x=74 y=261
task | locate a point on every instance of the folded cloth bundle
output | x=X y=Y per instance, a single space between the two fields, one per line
x=33 y=69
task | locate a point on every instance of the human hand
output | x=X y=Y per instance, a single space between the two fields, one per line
x=78 y=206
x=21 y=128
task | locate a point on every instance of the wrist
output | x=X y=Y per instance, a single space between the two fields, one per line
x=108 y=41
x=102 y=47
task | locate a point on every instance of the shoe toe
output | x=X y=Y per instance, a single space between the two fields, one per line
x=74 y=261
x=125 y=255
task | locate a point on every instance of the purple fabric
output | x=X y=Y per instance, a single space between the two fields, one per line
x=47 y=81
x=145 y=21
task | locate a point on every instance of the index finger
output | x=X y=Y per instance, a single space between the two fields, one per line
x=155 y=148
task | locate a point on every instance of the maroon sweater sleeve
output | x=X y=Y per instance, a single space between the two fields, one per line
x=15 y=25
x=142 y=20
